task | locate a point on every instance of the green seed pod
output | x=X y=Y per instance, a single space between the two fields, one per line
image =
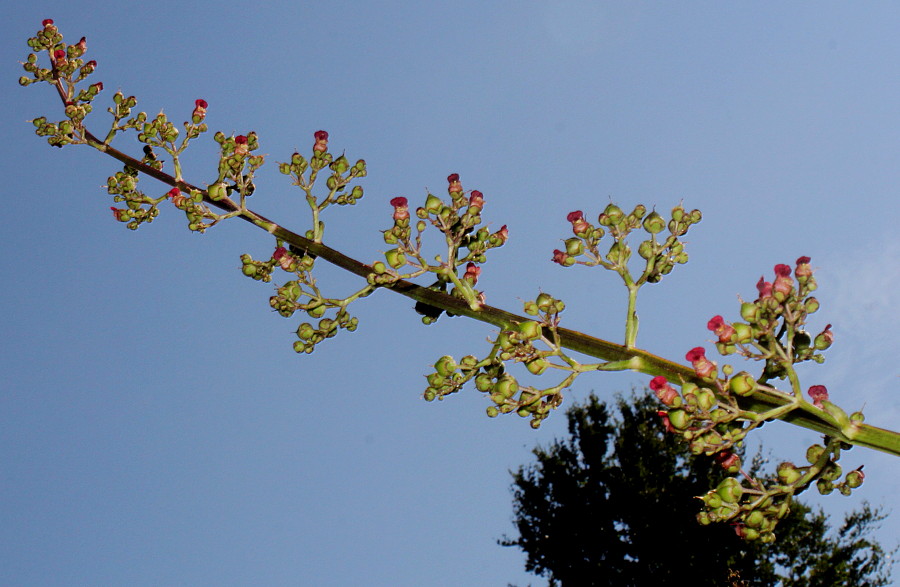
x=824 y=486
x=492 y=411
x=429 y=395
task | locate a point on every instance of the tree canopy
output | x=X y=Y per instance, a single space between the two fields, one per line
x=614 y=504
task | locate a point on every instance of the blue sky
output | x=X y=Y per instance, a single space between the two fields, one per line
x=157 y=428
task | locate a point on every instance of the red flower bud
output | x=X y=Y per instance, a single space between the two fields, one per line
x=60 y=55
x=476 y=198
x=47 y=22
x=764 y=288
x=579 y=224
x=723 y=330
x=321 y=141
x=703 y=367
x=727 y=459
x=818 y=393
x=803 y=269
x=560 y=257
x=201 y=103
x=472 y=273
x=455 y=186
x=401 y=209
x=665 y=418
x=665 y=392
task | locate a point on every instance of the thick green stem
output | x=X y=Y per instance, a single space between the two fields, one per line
x=638 y=360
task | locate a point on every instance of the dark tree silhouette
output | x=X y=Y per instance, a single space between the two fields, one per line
x=615 y=504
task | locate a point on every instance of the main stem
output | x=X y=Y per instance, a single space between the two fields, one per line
x=635 y=359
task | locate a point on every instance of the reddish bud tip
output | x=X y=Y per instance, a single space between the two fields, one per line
x=47 y=22
x=59 y=54
x=782 y=270
x=321 y=135
x=399 y=202
x=818 y=393
x=696 y=354
x=559 y=257
x=173 y=192
x=240 y=140
x=764 y=287
x=715 y=323
x=200 y=103
x=803 y=260
x=658 y=382
x=453 y=177
x=575 y=216
x=279 y=253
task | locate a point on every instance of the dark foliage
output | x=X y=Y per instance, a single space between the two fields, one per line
x=615 y=504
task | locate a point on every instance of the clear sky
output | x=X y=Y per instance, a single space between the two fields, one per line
x=156 y=427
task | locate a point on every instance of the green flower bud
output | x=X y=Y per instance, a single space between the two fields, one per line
x=706 y=399
x=484 y=382
x=730 y=490
x=749 y=312
x=611 y=215
x=654 y=223
x=788 y=473
x=433 y=204
x=492 y=411
x=814 y=452
x=646 y=250
x=507 y=386
x=446 y=366
x=395 y=258
x=824 y=486
x=537 y=366
x=679 y=419
x=574 y=246
x=429 y=395
x=831 y=471
x=217 y=191
x=854 y=479
x=743 y=384
x=530 y=330
x=436 y=380
x=755 y=519
x=742 y=333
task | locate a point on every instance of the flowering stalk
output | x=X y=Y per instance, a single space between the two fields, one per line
x=459 y=220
